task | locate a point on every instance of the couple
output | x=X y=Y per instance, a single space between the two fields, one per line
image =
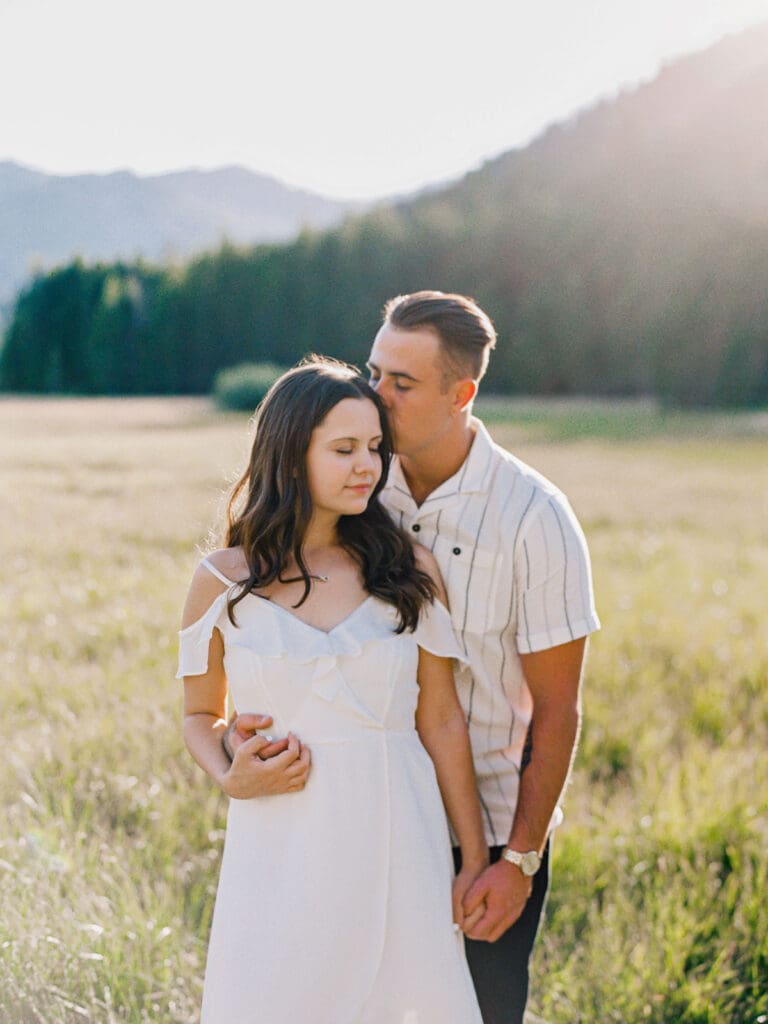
x=334 y=903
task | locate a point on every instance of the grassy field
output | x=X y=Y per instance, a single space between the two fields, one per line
x=109 y=854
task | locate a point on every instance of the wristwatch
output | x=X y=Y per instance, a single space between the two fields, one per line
x=529 y=863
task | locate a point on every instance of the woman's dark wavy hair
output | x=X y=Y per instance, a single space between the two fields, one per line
x=270 y=506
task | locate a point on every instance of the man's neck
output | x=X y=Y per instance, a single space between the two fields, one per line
x=426 y=470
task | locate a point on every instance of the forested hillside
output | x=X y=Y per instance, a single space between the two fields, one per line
x=47 y=219
x=622 y=253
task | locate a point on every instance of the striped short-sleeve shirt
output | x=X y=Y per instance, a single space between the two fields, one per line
x=516 y=568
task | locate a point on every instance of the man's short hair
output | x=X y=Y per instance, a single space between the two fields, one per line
x=466 y=333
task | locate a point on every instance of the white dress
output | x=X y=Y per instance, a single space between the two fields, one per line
x=334 y=903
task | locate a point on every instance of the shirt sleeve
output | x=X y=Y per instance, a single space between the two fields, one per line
x=553 y=579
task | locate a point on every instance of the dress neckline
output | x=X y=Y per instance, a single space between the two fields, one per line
x=307 y=625
x=315 y=629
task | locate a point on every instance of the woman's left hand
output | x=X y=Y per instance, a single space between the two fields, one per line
x=461 y=886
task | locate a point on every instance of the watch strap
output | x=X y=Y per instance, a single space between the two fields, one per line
x=529 y=862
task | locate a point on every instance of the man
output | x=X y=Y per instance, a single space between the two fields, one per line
x=516 y=570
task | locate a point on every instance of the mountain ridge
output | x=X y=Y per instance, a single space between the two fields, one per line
x=622 y=252
x=47 y=219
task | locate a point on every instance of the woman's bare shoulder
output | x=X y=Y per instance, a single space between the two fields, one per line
x=205 y=586
x=427 y=562
x=230 y=562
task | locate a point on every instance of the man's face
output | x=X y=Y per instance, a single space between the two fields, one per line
x=405 y=370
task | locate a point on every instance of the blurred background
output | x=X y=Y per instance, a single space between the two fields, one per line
x=183 y=191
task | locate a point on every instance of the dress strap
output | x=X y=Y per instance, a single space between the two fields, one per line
x=219 y=575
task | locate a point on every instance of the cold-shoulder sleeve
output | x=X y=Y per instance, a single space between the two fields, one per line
x=435 y=632
x=194 y=640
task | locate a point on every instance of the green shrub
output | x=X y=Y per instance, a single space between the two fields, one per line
x=243 y=387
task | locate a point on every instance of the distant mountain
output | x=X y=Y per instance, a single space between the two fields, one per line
x=629 y=244
x=623 y=252
x=47 y=219
x=699 y=129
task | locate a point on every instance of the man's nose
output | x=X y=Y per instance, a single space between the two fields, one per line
x=381 y=389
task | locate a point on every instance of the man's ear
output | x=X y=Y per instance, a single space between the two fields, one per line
x=465 y=391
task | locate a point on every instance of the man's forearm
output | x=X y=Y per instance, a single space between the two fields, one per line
x=555 y=735
x=225 y=735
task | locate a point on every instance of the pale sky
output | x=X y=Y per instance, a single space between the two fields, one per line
x=347 y=98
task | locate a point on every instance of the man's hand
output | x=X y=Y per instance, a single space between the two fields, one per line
x=252 y=774
x=244 y=727
x=505 y=890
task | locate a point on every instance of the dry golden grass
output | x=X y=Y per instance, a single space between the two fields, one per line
x=109 y=855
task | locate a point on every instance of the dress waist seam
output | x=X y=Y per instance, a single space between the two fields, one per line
x=369 y=733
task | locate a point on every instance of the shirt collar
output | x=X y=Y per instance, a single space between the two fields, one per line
x=473 y=476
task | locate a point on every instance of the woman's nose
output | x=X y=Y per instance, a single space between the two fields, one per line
x=367 y=462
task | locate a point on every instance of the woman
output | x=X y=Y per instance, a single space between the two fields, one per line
x=334 y=901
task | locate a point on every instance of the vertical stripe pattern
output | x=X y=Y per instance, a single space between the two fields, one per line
x=516 y=569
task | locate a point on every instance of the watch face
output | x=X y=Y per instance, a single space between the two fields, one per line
x=530 y=863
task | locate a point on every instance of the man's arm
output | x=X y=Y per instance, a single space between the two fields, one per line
x=553 y=677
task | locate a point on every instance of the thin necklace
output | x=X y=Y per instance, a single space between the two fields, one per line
x=311 y=575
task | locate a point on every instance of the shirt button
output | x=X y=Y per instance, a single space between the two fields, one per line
x=415 y=527
x=457 y=551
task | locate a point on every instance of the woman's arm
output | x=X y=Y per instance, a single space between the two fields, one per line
x=443 y=731
x=205 y=711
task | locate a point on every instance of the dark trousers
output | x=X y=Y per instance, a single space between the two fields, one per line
x=500 y=969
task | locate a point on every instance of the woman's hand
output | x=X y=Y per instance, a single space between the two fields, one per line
x=462 y=883
x=250 y=775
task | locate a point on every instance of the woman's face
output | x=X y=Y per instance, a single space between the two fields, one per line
x=343 y=462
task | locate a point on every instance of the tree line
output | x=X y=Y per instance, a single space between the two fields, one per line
x=592 y=319
x=612 y=259
x=622 y=253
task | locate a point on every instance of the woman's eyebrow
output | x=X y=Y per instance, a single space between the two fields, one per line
x=336 y=440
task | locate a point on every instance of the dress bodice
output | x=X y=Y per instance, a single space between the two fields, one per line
x=322 y=685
